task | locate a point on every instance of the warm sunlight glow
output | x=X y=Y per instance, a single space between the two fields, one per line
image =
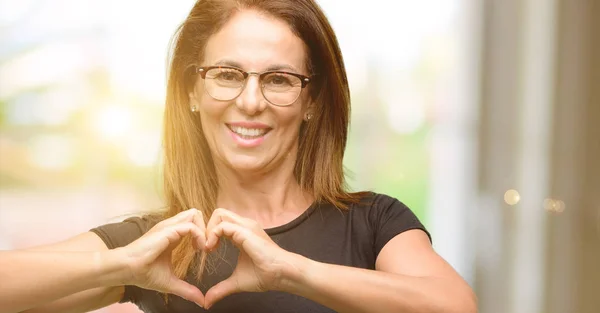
x=113 y=122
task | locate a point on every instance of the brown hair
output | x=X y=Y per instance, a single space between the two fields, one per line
x=189 y=174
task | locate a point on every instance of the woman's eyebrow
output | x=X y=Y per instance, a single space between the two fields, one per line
x=272 y=67
x=227 y=62
x=281 y=66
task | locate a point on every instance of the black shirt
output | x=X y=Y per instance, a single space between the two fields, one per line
x=323 y=233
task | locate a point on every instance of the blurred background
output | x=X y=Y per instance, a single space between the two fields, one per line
x=478 y=114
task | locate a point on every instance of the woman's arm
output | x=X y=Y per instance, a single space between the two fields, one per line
x=410 y=277
x=84 y=301
x=36 y=277
x=65 y=277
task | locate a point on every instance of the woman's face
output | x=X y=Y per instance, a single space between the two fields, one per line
x=248 y=133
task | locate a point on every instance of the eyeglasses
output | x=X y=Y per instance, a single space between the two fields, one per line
x=226 y=83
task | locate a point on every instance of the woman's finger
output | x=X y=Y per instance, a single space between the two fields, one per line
x=189 y=216
x=240 y=236
x=222 y=215
x=183 y=216
x=220 y=291
x=187 y=291
x=176 y=232
x=198 y=220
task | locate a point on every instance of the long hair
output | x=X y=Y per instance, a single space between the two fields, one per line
x=190 y=179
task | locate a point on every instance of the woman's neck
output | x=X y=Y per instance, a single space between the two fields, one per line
x=272 y=199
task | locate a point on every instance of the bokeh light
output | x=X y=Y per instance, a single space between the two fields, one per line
x=554 y=205
x=512 y=197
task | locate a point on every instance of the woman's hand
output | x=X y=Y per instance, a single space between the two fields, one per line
x=261 y=263
x=149 y=257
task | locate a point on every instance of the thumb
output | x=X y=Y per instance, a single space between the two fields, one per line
x=185 y=290
x=220 y=291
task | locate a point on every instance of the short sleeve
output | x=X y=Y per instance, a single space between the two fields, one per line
x=120 y=234
x=391 y=218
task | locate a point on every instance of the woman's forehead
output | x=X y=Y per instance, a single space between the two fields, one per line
x=256 y=42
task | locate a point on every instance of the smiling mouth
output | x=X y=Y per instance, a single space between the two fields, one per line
x=248 y=133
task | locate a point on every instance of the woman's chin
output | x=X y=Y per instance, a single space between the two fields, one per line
x=247 y=164
x=258 y=163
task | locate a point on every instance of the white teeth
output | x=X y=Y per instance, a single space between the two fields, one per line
x=249 y=132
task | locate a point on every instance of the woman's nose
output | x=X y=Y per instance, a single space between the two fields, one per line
x=251 y=100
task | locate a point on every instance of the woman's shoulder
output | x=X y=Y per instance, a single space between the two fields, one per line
x=386 y=215
x=373 y=201
x=375 y=208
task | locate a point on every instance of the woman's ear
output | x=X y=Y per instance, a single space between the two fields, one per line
x=309 y=113
x=193 y=100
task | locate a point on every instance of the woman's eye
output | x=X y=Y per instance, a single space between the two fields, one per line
x=278 y=80
x=227 y=76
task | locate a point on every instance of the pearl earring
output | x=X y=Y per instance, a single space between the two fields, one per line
x=308 y=116
x=194 y=108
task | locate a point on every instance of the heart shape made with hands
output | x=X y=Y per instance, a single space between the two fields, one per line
x=259 y=266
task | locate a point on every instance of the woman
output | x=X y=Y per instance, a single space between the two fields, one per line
x=258 y=216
